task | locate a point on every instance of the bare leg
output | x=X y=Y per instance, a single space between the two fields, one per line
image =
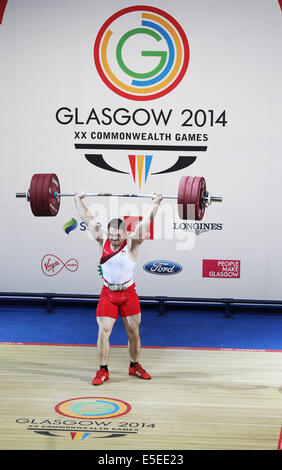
x=103 y=344
x=131 y=325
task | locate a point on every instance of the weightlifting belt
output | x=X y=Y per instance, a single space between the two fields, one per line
x=115 y=287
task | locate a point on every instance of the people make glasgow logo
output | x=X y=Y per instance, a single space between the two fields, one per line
x=162 y=267
x=141 y=53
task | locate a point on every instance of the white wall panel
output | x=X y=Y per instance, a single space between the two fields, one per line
x=47 y=63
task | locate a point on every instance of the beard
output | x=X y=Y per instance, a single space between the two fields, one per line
x=116 y=243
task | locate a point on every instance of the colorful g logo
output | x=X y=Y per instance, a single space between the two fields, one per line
x=93 y=408
x=161 y=63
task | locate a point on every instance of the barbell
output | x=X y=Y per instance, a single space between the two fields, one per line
x=44 y=196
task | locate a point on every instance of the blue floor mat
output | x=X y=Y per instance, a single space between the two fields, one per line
x=177 y=328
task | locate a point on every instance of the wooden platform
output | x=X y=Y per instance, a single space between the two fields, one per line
x=197 y=399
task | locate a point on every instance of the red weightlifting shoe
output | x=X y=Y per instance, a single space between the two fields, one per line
x=101 y=376
x=138 y=371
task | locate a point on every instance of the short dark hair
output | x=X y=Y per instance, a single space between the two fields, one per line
x=117 y=224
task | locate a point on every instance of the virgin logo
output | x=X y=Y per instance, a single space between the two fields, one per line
x=51 y=265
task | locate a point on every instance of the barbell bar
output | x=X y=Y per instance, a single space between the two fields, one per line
x=44 y=196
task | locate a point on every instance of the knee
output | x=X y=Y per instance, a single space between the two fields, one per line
x=105 y=331
x=132 y=330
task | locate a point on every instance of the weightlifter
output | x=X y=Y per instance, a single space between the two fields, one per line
x=119 y=255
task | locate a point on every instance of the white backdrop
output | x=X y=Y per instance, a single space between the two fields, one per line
x=234 y=68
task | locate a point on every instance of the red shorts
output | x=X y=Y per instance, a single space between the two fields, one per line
x=126 y=302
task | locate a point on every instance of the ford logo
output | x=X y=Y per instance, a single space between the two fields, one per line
x=162 y=267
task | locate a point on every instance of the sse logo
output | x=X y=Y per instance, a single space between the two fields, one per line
x=161 y=62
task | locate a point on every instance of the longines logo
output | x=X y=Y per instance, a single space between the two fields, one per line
x=197 y=227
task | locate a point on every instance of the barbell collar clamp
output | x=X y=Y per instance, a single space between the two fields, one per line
x=23 y=195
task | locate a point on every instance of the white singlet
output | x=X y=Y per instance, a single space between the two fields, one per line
x=117 y=266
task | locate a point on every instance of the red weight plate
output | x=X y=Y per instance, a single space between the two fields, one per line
x=198 y=188
x=190 y=192
x=42 y=201
x=34 y=192
x=45 y=194
x=39 y=196
x=190 y=208
x=202 y=204
x=182 y=208
x=50 y=205
x=55 y=187
x=185 y=210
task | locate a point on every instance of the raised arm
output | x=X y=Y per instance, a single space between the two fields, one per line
x=88 y=218
x=142 y=228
